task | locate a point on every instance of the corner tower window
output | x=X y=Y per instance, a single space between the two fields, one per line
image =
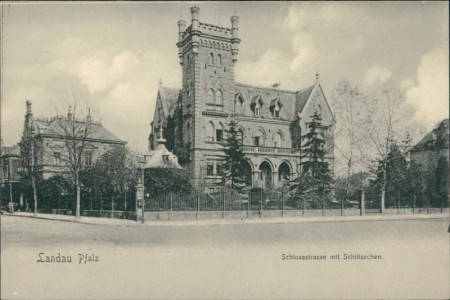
x=211 y=59
x=210 y=132
x=219 y=100
x=210 y=99
x=219 y=133
x=219 y=60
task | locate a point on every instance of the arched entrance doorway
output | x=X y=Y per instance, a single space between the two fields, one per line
x=284 y=172
x=265 y=174
x=247 y=172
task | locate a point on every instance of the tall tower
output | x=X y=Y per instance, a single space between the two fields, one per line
x=207 y=55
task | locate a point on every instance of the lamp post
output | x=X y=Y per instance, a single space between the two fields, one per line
x=140 y=191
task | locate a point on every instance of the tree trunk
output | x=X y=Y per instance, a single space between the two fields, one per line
x=33 y=184
x=383 y=189
x=77 y=185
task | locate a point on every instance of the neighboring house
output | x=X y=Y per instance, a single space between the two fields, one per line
x=10 y=174
x=433 y=146
x=51 y=154
x=271 y=120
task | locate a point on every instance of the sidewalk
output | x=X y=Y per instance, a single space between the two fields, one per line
x=209 y=222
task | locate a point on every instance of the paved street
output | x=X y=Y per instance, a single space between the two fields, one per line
x=226 y=261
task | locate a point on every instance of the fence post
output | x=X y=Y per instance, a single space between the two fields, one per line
x=112 y=206
x=198 y=205
x=304 y=206
x=261 y=202
x=282 y=203
x=101 y=205
x=362 y=200
x=248 y=204
x=170 y=211
x=223 y=199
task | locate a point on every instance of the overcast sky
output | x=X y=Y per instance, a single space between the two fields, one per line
x=116 y=53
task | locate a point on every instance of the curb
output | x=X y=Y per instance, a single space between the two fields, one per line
x=221 y=222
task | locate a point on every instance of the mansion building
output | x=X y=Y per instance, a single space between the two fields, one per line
x=271 y=121
x=50 y=136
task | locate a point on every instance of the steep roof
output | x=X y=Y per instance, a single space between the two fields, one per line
x=251 y=93
x=55 y=127
x=302 y=97
x=292 y=101
x=438 y=138
x=169 y=97
x=11 y=150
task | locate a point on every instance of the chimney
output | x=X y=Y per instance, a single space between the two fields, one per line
x=235 y=40
x=195 y=10
x=89 y=118
x=69 y=114
x=28 y=105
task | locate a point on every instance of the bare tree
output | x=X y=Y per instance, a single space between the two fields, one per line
x=350 y=140
x=384 y=127
x=74 y=132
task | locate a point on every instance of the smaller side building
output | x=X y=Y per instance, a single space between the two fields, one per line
x=55 y=137
x=9 y=174
x=431 y=148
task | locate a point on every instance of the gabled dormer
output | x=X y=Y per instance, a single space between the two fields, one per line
x=256 y=105
x=239 y=100
x=275 y=107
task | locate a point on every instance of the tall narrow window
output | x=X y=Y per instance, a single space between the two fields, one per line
x=57 y=158
x=276 y=111
x=219 y=168
x=209 y=169
x=210 y=99
x=210 y=132
x=240 y=136
x=219 y=133
x=219 y=100
x=88 y=158
x=258 y=138
x=257 y=141
x=277 y=140
x=219 y=60
x=257 y=110
x=211 y=59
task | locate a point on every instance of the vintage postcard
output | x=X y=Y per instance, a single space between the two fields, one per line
x=224 y=150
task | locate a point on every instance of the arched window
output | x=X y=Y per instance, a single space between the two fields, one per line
x=211 y=59
x=257 y=109
x=219 y=133
x=276 y=111
x=284 y=172
x=210 y=99
x=210 y=132
x=258 y=139
x=277 y=140
x=240 y=136
x=219 y=60
x=219 y=100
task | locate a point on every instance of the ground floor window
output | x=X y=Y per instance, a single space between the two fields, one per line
x=209 y=169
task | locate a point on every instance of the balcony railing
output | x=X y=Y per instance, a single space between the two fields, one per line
x=269 y=150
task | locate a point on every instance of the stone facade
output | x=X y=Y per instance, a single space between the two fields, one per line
x=271 y=121
x=50 y=152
